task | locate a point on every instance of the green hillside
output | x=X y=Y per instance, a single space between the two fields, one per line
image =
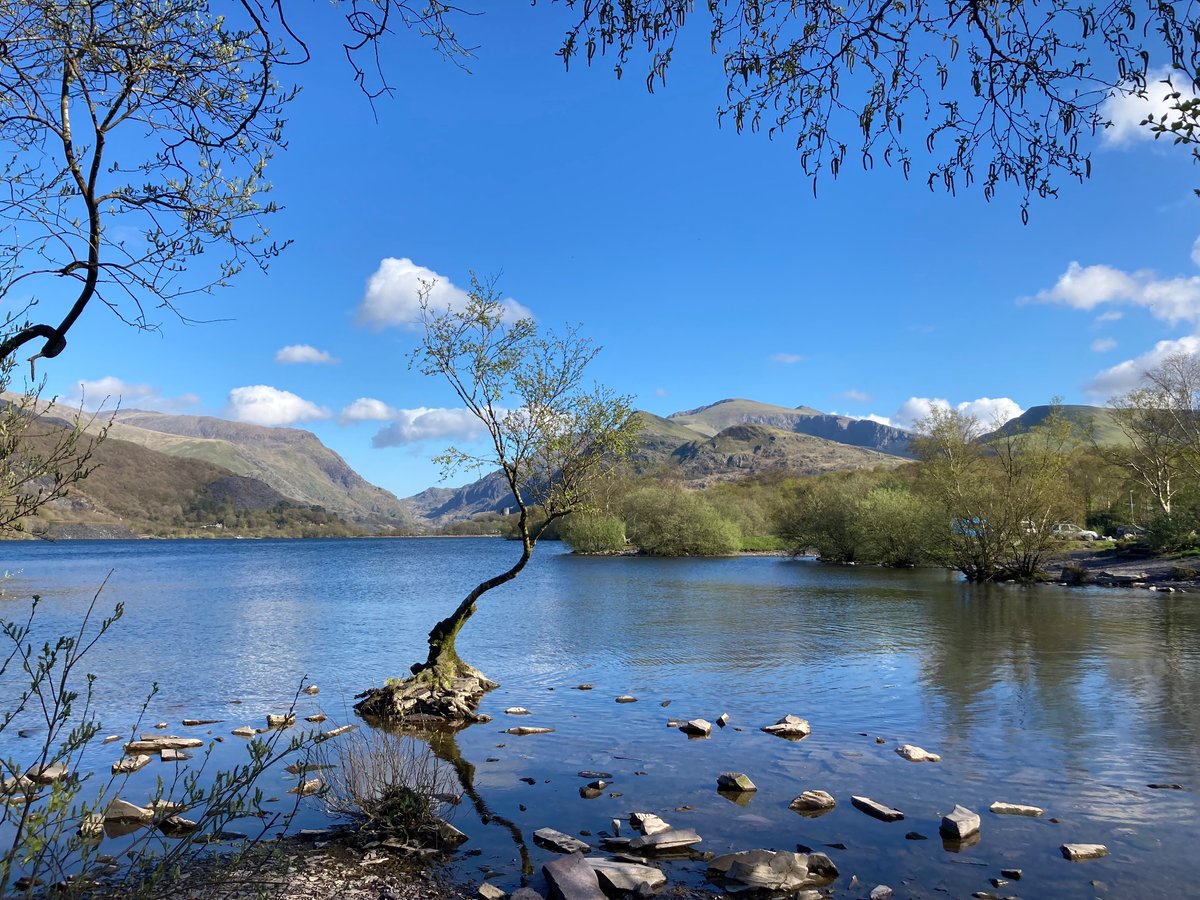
x=708 y=420
x=1088 y=423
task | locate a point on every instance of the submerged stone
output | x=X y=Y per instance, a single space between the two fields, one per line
x=559 y=842
x=735 y=781
x=1077 y=852
x=813 y=801
x=916 y=754
x=1015 y=809
x=876 y=809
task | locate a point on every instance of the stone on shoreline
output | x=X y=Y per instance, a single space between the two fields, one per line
x=789 y=726
x=876 y=809
x=764 y=870
x=913 y=753
x=959 y=824
x=571 y=878
x=420 y=695
x=628 y=877
x=1015 y=809
x=489 y=891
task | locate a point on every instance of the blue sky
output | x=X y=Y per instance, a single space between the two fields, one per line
x=698 y=258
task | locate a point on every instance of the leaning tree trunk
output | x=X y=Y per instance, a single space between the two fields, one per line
x=442 y=687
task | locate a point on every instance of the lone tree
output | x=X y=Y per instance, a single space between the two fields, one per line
x=552 y=437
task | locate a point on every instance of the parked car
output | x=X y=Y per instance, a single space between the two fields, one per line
x=1130 y=531
x=1071 y=532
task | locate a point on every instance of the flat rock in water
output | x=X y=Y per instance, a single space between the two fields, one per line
x=314 y=718
x=192 y=723
x=526 y=893
x=127 y=765
x=527 y=729
x=157 y=743
x=878 y=810
x=813 y=801
x=123 y=811
x=312 y=689
x=723 y=719
x=516 y=711
x=882 y=892
x=735 y=781
x=245 y=731
x=1015 y=809
x=169 y=755
x=588 y=773
x=764 y=870
x=647 y=823
x=334 y=732
x=281 y=720
x=626 y=698
x=1076 y=852
x=488 y=891
x=177 y=826
x=671 y=839
x=628 y=877
x=47 y=774
x=915 y=754
x=304 y=788
x=697 y=727
x=959 y=824
x=571 y=878
x=559 y=842
x=789 y=727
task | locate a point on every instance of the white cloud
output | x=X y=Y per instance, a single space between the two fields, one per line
x=786 y=359
x=393 y=295
x=1103 y=345
x=857 y=396
x=1086 y=287
x=1126 y=376
x=366 y=409
x=988 y=410
x=261 y=404
x=1127 y=112
x=109 y=392
x=303 y=353
x=422 y=424
x=1113 y=315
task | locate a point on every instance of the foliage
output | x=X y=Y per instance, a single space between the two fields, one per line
x=594 y=533
x=999 y=93
x=669 y=521
x=999 y=500
x=1172 y=533
x=53 y=830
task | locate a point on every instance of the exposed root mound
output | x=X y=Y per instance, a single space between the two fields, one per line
x=447 y=696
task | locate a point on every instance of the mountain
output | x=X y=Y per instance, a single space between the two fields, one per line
x=1088 y=424
x=709 y=420
x=726 y=441
x=292 y=461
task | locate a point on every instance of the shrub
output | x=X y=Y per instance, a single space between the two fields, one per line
x=672 y=522
x=391 y=784
x=594 y=533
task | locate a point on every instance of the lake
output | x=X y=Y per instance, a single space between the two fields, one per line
x=1073 y=700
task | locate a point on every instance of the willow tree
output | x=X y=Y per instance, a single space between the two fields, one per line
x=552 y=436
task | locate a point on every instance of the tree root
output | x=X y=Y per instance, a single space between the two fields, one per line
x=448 y=692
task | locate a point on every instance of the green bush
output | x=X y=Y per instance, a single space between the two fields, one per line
x=668 y=521
x=1165 y=534
x=594 y=533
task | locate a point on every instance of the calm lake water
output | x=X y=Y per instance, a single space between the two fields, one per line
x=1072 y=700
